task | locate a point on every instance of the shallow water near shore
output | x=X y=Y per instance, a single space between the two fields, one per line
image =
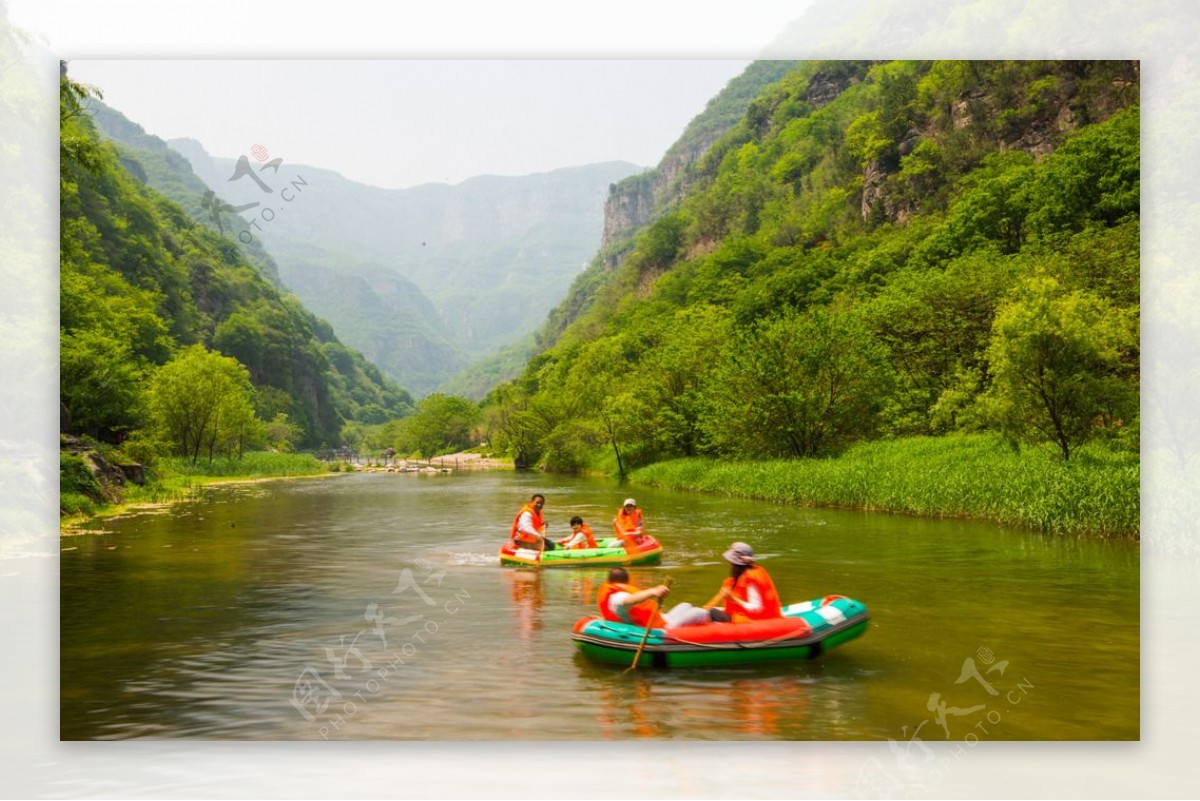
x=372 y=606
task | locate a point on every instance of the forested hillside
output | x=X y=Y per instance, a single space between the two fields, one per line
x=631 y=203
x=448 y=273
x=156 y=305
x=875 y=250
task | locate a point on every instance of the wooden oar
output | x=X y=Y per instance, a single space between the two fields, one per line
x=646 y=636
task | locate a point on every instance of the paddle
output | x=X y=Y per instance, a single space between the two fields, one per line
x=646 y=636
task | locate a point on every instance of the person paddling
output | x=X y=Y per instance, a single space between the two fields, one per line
x=528 y=528
x=622 y=602
x=748 y=594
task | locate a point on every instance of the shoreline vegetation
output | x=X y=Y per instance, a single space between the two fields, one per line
x=173 y=480
x=176 y=480
x=976 y=476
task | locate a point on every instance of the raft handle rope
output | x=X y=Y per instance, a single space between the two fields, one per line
x=733 y=646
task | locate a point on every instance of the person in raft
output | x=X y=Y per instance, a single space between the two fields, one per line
x=748 y=594
x=622 y=602
x=581 y=535
x=528 y=528
x=629 y=524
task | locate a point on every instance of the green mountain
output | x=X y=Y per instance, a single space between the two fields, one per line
x=392 y=322
x=491 y=254
x=152 y=162
x=142 y=279
x=640 y=199
x=630 y=204
x=875 y=249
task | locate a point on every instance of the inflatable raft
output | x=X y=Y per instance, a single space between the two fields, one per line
x=610 y=553
x=805 y=631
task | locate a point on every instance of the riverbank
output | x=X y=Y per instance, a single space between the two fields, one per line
x=463 y=460
x=84 y=495
x=176 y=480
x=979 y=476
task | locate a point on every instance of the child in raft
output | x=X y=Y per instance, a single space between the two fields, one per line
x=581 y=536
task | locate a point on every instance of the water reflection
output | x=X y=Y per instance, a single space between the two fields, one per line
x=196 y=622
x=528 y=595
x=528 y=589
x=730 y=707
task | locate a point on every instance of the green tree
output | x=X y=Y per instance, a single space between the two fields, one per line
x=1064 y=366
x=661 y=242
x=100 y=383
x=797 y=385
x=937 y=325
x=77 y=143
x=865 y=138
x=512 y=425
x=280 y=434
x=669 y=382
x=1094 y=176
x=602 y=403
x=442 y=423
x=241 y=336
x=202 y=402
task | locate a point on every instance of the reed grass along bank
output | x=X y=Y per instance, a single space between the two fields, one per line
x=978 y=476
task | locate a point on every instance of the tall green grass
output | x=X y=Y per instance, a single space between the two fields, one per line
x=257 y=464
x=978 y=476
x=178 y=479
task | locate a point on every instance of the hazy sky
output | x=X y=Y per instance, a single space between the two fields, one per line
x=452 y=89
x=399 y=123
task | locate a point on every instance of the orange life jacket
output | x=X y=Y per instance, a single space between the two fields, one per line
x=641 y=614
x=756 y=577
x=586 y=530
x=521 y=537
x=629 y=522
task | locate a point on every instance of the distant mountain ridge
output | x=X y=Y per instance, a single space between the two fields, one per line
x=492 y=255
x=146 y=271
x=631 y=203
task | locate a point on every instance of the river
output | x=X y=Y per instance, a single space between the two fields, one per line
x=372 y=606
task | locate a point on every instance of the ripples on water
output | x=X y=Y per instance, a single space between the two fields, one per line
x=210 y=619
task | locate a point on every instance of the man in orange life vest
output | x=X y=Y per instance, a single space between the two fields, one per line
x=629 y=524
x=622 y=602
x=748 y=593
x=581 y=535
x=528 y=528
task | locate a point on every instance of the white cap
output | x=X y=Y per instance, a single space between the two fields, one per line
x=629 y=502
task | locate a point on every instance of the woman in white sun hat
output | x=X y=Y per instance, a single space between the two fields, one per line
x=629 y=524
x=748 y=594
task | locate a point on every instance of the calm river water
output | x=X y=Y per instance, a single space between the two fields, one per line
x=372 y=606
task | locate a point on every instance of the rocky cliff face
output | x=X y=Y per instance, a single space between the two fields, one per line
x=628 y=207
x=1072 y=99
x=637 y=200
x=634 y=202
x=824 y=87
